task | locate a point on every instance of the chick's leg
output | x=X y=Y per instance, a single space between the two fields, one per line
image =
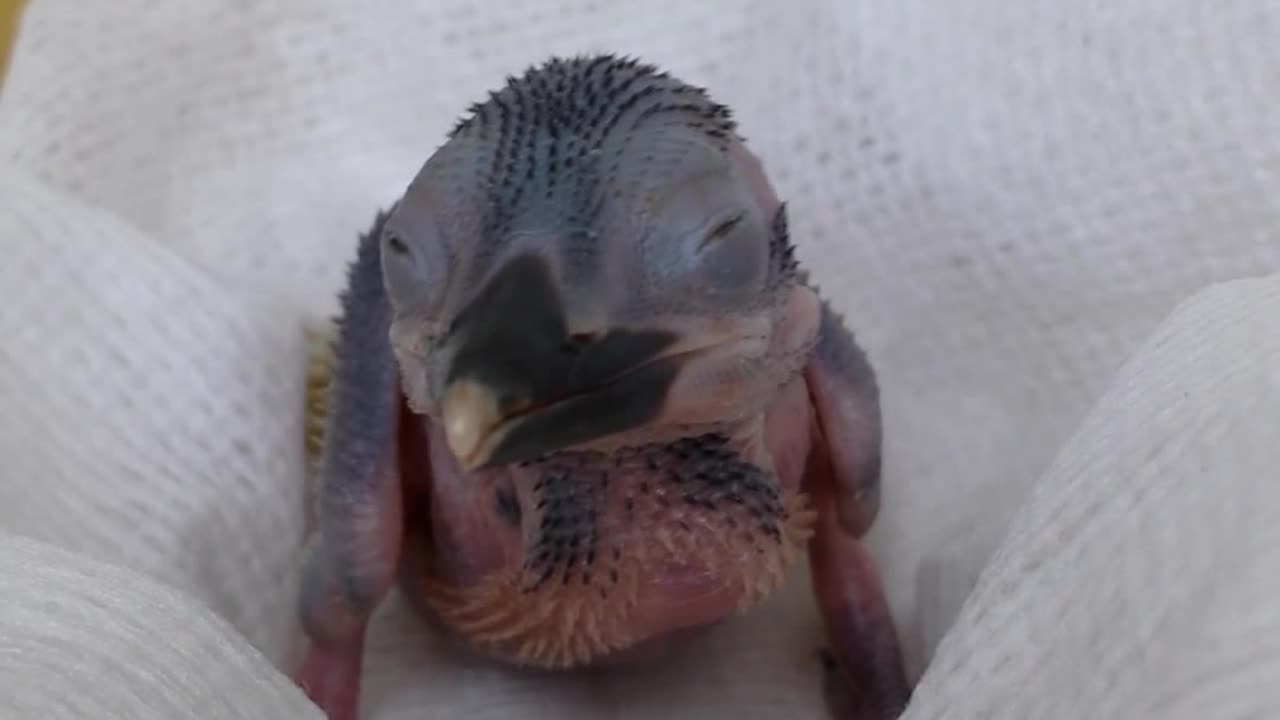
x=864 y=674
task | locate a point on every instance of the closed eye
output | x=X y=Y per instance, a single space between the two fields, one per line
x=722 y=230
x=397 y=244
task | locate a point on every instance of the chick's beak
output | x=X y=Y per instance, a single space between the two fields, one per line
x=518 y=386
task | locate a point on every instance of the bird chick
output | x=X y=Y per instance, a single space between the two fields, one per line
x=584 y=401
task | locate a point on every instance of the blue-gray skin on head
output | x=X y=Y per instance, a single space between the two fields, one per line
x=587 y=299
x=580 y=229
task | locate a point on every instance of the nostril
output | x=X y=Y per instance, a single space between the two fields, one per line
x=576 y=341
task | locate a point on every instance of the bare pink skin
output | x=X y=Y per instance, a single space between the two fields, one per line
x=469 y=541
x=477 y=542
x=451 y=527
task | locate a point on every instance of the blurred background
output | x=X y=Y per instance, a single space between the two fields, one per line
x=9 y=10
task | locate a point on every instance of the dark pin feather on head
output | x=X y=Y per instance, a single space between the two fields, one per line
x=568 y=248
x=547 y=129
x=588 y=96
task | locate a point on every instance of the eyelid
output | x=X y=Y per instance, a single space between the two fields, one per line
x=722 y=228
x=413 y=276
x=395 y=242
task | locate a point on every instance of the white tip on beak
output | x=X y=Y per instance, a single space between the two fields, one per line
x=470 y=415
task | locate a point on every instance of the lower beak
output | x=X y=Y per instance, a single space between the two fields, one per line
x=471 y=422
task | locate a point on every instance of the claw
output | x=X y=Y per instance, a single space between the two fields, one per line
x=330 y=677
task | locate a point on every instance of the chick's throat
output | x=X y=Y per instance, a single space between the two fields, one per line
x=616 y=549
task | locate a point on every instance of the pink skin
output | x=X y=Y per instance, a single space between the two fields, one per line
x=449 y=519
x=477 y=542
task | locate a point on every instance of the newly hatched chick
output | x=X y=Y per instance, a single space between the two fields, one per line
x=584 y=401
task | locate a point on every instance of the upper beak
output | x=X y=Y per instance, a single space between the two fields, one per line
x=519 y=387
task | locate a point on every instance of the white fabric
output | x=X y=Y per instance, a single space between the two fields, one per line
x=1007 y=197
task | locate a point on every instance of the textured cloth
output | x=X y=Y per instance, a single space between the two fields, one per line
x=1039 y=217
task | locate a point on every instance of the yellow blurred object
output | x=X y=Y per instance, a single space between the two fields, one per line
x=320 y=367
x=10 y=10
